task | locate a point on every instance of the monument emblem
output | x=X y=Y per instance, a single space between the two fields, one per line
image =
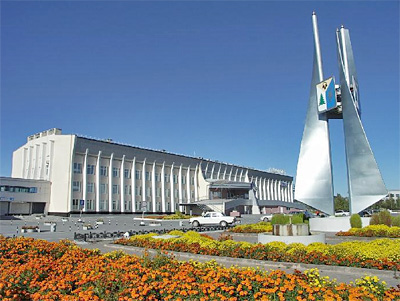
x=314 y=184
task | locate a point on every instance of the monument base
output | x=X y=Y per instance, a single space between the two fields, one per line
x=334 y=224
x=304 y=239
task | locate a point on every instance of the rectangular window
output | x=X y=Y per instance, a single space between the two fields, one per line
x=89 y=204
x=128 y=189
x=90 y=169
x=148 y=178
x=32 y=189
x=127 y=173
x=175 y=179
x=138 y=190
x=115 y=172
x=76 y=186
x=166 y=178
x=167 y=193
x=184 y=194
x=115 y=189
x=75 y=204
x=90 y=187
x=176 y=193
x=183 y=179
x=103 y=205
x=148 y=191
x=138 y=174
x=158 y=194
x=191 y=180
x=157 y=177
x=104 y=171
x=103 y=188
x=192 y=194
x=77 y=167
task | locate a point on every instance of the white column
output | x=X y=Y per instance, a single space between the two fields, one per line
x=144 y=201
x=133 y=183
x=246 y=176
x=122 y=181
x=36 y=171
x=110 y=183
x=230 y=174
x=219 y=171
x=196 y=189
x=163 y=188
x=271 y=187
x=286 y=192
x=171 y=180
x=255 y=181
x=153 y=187
x=212 y=171
x=277 y=190
x=291 y=192
x=28 y=172
x=44 y=151
x=280 y=190
x=84 y=180
x=240 y=177
x=188 y=185
x=180 y=183
x=235 y=179
x=264 y=189
x=224 y=175
x=205 y=171
x=260 y=189
x=97 y=184
x=51 y=159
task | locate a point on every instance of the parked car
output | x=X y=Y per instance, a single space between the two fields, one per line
x=212 y=218
x=266 y=218
x=365 y=213
x=341 y=213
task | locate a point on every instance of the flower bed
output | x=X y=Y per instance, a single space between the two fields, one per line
x=373 y=231
x=379 y=254
x=41 y=270
x=260 y=227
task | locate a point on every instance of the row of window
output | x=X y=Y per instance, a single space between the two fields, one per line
x=103 y=205
x=90 y=170
x=90 y=188
x=18 y=189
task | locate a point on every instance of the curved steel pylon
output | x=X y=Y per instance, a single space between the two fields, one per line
x=365 y=182
x=314 y=184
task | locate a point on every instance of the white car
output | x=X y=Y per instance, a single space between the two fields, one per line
x=341 y=213
x=266 y=218
x=212 y=218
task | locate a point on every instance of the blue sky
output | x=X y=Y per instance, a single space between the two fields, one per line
x=222 y=80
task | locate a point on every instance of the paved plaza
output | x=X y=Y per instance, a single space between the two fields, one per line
x=65 y=229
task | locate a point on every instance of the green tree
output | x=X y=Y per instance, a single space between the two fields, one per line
x=321 y=100
x=341 y=203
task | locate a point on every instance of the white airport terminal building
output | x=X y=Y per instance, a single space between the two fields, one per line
x=102 y=176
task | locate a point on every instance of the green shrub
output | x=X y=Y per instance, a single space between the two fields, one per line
x=381 y=218
x=355 y=221
x=297 y=218
x=281 y=219
x=396 y=221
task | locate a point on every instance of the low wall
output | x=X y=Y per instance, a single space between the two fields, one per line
x=334 y=224
x=304 y=239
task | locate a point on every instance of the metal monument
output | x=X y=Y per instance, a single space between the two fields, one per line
x=314 y=184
